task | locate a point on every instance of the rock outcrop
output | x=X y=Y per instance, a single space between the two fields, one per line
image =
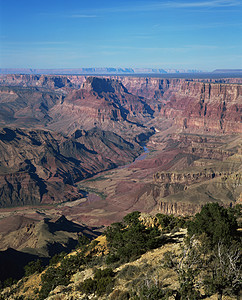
x=187 y=178
x=178 y=208
x=98 y=102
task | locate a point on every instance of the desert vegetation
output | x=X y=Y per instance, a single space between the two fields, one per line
x=204 y=262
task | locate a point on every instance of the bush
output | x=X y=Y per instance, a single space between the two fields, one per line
x=57 y=258
x=99 y=284
x=60 y=275
x=33 y=267
x=108 y=272
x=51 y=279
x=216 y=222
x=153 y=291
x=88 y=286
x=169 y=222
x=129 y=239
x=83 y=240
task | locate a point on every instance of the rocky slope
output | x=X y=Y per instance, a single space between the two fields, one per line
x=24 y=240
x=41 y=238
x=41 y=166
x=26 y=107
x=175 y=263
x=57 y=104
x=171 y=179
x=103 y=103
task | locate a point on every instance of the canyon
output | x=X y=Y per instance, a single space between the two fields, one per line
x=72 y=145
x=192 y=104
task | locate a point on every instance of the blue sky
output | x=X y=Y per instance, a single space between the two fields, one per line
x=203 y=34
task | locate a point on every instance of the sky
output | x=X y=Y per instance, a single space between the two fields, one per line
x=182 y=34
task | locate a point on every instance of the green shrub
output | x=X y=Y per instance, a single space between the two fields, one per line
x=52 y=278
x=88 y=286
x=103 y=279
x=60 y=275
x=129 y=239
x=83 y=240
x=153 y=292
x=216 y=222
x=169 y=222
x=108 y=272
x=57 y=258
x=103 y=284
x=33 y=267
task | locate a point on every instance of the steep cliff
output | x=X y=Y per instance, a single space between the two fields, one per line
x=194 y=105
x=103 y=103
x=98 y=102
x=208 y=106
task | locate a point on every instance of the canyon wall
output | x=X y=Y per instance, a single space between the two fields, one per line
x=192 y=104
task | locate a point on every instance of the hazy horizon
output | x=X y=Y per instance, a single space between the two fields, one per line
x=201 y=35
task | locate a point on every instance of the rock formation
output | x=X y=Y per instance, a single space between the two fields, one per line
x=192 y=122
x=194 y=105
x=41 y=166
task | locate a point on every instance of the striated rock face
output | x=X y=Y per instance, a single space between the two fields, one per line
x=98 y=102
x=194 y=105
x=187 y=178
x=41 y=167
x=179 y=208
x=102 y=103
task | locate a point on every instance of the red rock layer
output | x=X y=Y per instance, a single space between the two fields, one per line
x=194 y=105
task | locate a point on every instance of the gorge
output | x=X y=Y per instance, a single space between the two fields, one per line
x=78 y=153
x=58 y=131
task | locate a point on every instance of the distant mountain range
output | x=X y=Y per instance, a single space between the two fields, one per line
x=231 y=71
x=95 y=71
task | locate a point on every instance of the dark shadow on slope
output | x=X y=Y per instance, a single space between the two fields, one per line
x=12 y=263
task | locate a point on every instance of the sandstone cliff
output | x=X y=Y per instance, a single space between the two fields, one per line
x=194 y=105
